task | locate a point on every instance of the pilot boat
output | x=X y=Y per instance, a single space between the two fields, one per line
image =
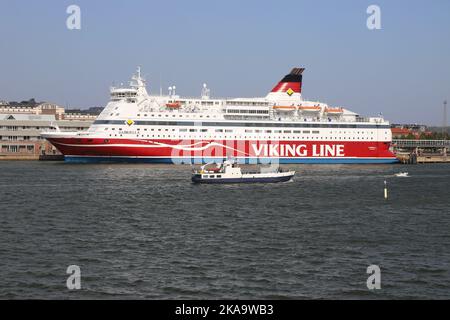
x=230 y=172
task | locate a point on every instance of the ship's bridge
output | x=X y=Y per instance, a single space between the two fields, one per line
x=249 y=108
x=133 y=92
x=128 y=94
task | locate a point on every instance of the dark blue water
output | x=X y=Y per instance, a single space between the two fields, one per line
x=144 y=231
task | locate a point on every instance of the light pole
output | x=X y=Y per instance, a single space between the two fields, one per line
x=444 y=124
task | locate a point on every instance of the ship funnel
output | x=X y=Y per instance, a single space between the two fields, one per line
x=291 y=83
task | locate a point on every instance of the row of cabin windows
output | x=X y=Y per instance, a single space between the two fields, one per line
x=167 y=116
x=247 y=111
x=16 y=128
x=17 y=137
x=203 y=103
x=123 y=94
x=21 y=138
x=247 y=103
x=245 y=137
x=15 y=148
x=248 y=131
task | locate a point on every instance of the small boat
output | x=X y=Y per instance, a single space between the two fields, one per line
x=402 y=174
x=230 y=172
x=285 y=108
x=173 y=105
x=334 y=111
x=310 y=108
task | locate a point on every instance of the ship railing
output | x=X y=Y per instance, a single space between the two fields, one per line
x=370 y=119
x=420 y=143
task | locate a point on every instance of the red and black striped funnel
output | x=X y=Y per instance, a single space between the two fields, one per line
x=291 y=83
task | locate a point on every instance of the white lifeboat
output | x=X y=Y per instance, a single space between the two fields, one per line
x=173 y=105
x=312 y=109
x=284 y=108
x=334 y=111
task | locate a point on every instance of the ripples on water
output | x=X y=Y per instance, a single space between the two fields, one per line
x=144 y=231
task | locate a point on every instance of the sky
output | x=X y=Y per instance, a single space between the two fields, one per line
x=239 y=48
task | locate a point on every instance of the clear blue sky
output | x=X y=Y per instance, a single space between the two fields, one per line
x=240 y=48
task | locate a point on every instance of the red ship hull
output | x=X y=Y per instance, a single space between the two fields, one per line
x=248 y=151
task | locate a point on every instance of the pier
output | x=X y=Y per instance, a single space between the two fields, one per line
x=411 y=151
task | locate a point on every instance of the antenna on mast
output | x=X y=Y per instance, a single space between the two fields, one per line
x=205 y=91
x=139 y=83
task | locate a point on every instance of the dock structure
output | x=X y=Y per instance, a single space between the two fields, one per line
x=421 y=151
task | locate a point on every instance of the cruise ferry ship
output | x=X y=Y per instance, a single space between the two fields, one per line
x=281 y=127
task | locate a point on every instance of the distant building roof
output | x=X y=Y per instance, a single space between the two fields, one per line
x=27 y=117
x=402 y=131
x=92 y=111
x=24 y=104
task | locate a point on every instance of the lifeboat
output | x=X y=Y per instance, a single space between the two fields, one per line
x=284 y=108
x=310 y=108
x=173 y=105
x=336 y=111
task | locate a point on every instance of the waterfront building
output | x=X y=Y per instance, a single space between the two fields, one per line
x=20 y=133
x=411 y=131
x=21 y=124
x=48 y=108
x=77 y=114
